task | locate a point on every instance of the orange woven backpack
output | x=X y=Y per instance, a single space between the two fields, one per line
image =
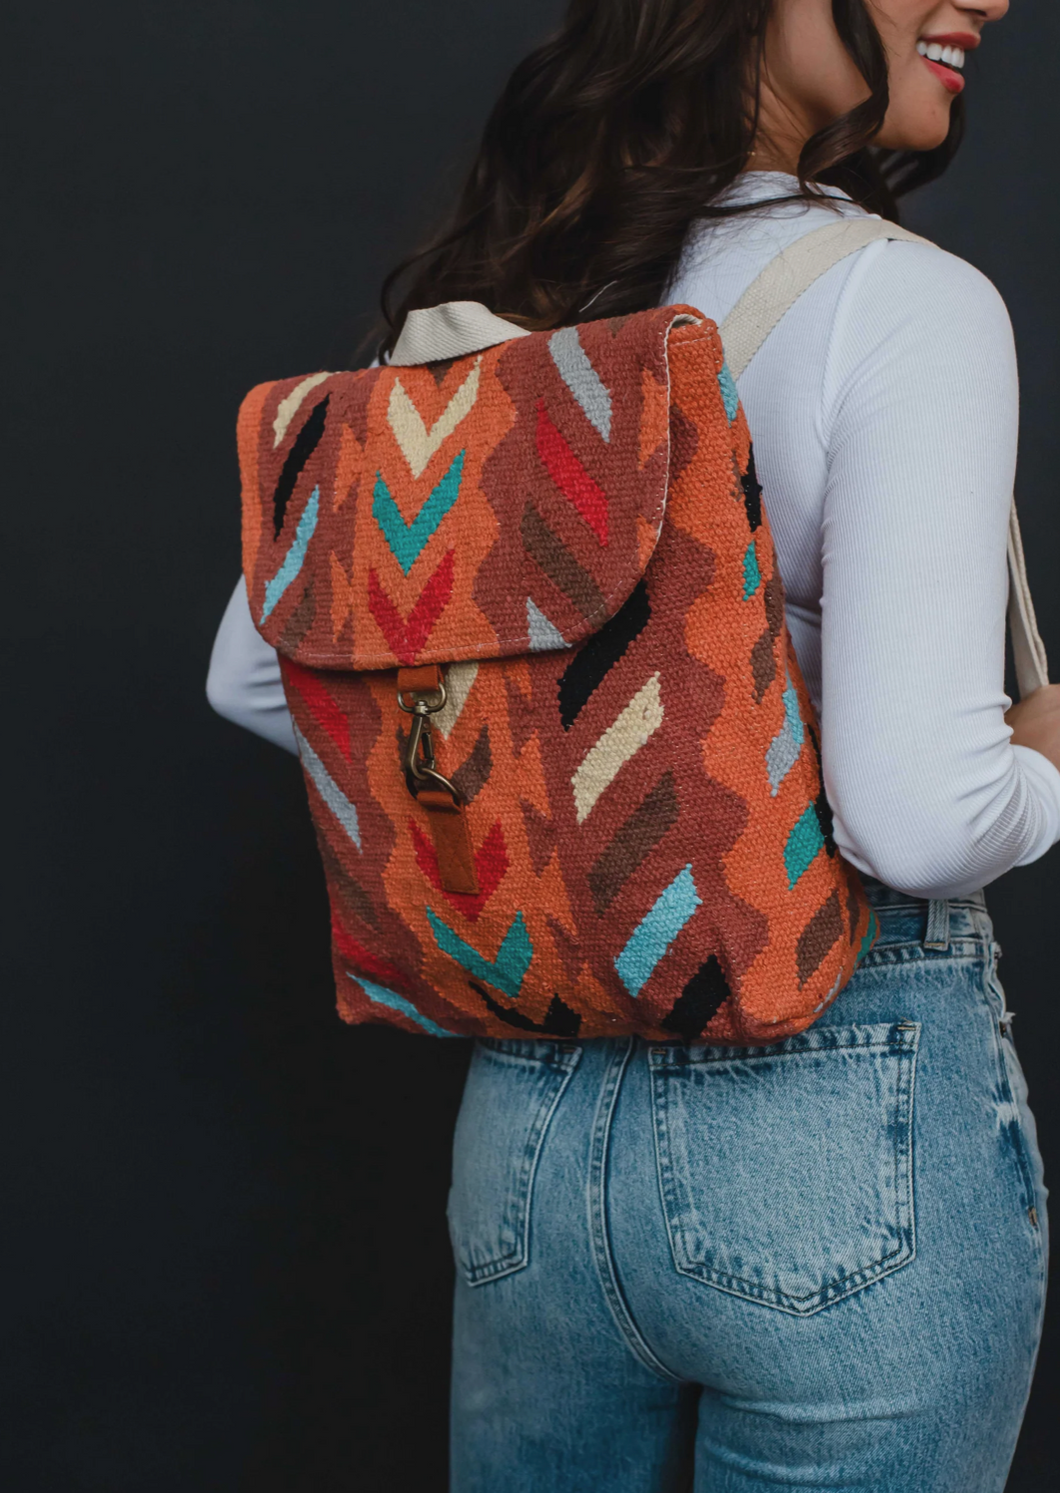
x=564 y=772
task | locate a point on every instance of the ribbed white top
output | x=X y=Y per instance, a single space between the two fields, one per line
x=884 y=413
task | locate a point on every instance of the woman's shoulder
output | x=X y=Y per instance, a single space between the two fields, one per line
x=888 y=283
x=898 y=283
x=912 y=324
x=723 y=255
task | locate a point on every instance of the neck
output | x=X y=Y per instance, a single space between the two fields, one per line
x=765 y=157
x=783 y=129
x=780 y=138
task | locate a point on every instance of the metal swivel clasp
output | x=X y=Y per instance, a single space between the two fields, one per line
x=420 y=768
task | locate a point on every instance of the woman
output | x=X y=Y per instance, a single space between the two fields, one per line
x=663 y=1326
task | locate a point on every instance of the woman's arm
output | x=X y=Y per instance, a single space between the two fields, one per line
x=1035 y=722
x=244 y=682
x=920 y=412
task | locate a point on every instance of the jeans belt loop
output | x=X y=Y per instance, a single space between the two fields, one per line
x=937 y=932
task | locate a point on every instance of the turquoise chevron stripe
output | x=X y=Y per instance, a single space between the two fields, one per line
x=729 y=396
x=381 y=996
x=657 y=931
x=870 y=935
x=407 y=541
x=752 y=576
x=790 y=697
x=784 y=749
x=295 y=555
x=804 y=843
x=506 y=972
x=344 y=811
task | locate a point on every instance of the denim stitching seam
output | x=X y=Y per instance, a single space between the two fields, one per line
x=597 y=1208
x=1008 y=1095
x=517 y=1258
x=914 y=951
x=906 y=1052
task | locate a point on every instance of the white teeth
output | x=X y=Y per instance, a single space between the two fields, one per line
x=935 y=52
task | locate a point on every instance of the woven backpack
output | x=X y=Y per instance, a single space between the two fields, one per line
x=564 y=771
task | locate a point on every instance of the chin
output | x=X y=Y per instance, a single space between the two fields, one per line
x=923 y=133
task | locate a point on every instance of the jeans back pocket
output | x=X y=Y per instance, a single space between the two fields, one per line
x=786 y=1171
x=512 y=1090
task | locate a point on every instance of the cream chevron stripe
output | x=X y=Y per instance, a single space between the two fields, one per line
x=622 y=740
x=418 y=444
x=459 y=678
x=288 y=406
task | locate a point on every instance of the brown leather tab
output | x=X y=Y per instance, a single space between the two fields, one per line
x=425 y=680
x=452 y=841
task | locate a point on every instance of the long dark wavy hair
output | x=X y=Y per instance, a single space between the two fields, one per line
x=613 y=137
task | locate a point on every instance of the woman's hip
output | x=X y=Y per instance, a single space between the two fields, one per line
x=891 y=1142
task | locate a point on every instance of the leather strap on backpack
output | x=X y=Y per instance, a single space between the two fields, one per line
x=421 y=694
x=759 y=310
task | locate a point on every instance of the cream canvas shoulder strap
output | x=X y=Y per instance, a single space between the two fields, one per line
x=759 y=310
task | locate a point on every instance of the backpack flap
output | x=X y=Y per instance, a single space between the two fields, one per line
x=494 y=505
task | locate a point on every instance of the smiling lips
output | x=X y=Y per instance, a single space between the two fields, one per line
x=944 y=55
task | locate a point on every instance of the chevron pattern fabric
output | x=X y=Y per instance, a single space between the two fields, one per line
x=571 y=525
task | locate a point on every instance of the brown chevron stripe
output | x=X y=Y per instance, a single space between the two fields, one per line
x=299 y=622
x=473 y=773
x=568 y=948
x=763 y=665
x=540 y=836
x=522 y=721
x=559 y=564
x=640 y=834
x=439 y=370
x=349 y=893
x=684 y=441
x=853 y=906
x=774 y=599
x=819 y=937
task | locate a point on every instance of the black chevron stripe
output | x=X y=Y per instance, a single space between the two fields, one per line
x=590 y=665
x=822 y=808
x=305 y=443
x=752 y=493
x=560 y=1020
x=701 y=999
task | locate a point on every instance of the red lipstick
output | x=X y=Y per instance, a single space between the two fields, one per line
x=946 y=76
x=966 y=40
x=949 y=77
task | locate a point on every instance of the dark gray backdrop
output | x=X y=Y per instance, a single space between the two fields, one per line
x=225 y=1259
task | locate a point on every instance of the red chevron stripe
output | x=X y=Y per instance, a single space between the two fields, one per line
x=363 y=962
x=407 y=638
x=324 y=710
x=570 y=476
x=491 y=865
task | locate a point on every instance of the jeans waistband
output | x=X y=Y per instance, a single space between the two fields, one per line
x=936 y=923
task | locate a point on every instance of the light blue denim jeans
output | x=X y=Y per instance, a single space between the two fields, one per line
x=818 y=1265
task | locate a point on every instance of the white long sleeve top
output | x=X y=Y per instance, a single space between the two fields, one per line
x=884 y=412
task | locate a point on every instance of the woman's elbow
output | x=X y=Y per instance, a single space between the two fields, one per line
x=224 y=695
x=924 y=851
